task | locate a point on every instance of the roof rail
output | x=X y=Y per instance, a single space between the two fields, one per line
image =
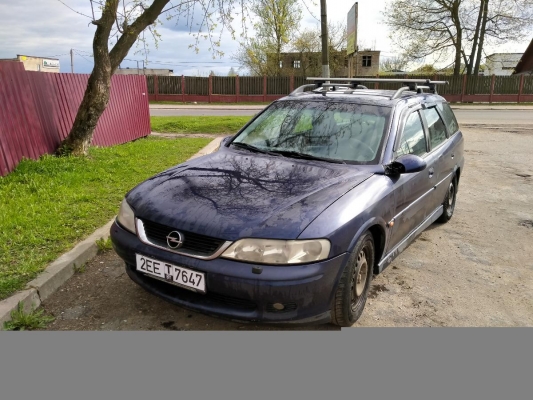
x=416 y=85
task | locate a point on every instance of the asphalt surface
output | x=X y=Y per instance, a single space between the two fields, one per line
x=476 y=270
x=464 y=116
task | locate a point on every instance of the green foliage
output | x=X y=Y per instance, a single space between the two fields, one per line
x=47 y=206
x=214 y=125
x=104 y=244
x=277 y=21
x=80 y=269
x=23 y=321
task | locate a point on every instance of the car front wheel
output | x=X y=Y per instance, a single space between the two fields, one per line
x=350 y=298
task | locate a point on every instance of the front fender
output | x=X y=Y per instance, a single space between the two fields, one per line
x=369 y=204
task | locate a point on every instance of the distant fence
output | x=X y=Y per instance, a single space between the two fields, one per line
x=37 y=110
x=231 y=89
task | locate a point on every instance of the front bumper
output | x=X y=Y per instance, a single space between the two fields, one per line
x=234 y=292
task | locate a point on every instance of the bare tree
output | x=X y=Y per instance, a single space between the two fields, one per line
x=462 y=28
x=126 y=22
x=393 y=64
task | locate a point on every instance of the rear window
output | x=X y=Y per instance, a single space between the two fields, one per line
x=449 y=117
x=353 y=133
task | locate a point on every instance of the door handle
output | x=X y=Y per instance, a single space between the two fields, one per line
x=431 y=172
x=453 y=155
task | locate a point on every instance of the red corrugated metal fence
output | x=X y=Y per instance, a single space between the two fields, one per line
x=37 y=110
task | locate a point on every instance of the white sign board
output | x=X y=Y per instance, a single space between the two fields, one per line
x=50 y=63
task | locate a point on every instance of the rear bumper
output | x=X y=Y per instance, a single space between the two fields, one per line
x=234 y=292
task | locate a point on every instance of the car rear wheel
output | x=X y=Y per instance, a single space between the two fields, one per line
x=449 y=202
x=350 y=298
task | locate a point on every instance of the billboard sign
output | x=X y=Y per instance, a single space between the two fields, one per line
x=50 y=63
x=351 y=30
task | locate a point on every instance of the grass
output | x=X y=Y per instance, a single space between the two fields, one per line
x=241 y=103
x=214 y=125
x=23 y=321
x=80 y=269
x=104 y=245
x=47 y=206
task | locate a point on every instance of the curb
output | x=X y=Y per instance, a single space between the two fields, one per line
x=62 y=269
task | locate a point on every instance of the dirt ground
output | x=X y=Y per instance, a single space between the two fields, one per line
x=476 y=270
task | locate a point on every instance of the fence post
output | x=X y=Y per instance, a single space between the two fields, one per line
x=264 y=88
x=183 y=89
x=520 y=88
x=237 y=88
x=210 y=87
x=156 y=87
x=463 y=89
x=291 y=84
x=492 y=87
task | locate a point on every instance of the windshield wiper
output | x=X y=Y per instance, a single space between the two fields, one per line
x=304 y=156
x=253 y=148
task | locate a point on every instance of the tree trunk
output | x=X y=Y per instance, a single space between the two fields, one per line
x=482 y=36
x=98 y=90
x=459 y=40
x=94 y=103
x=470 y=65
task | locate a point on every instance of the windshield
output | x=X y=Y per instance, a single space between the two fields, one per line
x=352 y=133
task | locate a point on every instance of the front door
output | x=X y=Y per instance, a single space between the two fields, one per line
x=412 y=191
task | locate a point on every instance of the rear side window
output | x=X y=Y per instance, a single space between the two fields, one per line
x=413 y=140
x=449 y=118
x=436 y=127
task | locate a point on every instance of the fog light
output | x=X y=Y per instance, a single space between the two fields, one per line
x=278 y=306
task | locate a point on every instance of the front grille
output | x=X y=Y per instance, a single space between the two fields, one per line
x=193 y=243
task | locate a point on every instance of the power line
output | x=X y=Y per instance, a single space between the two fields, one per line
x=77 y=12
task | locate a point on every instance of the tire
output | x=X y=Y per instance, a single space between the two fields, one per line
x=449 y=202
x=350 y=297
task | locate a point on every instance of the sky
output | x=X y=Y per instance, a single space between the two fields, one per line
x=50 y=28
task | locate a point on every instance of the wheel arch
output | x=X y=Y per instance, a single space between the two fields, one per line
x=376 y=226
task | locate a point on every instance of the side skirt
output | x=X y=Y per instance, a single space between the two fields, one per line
x=400 y=247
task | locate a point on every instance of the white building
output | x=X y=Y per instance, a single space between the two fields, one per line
x=33 y=63
x=501 y=63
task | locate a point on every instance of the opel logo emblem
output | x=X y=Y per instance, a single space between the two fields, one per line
x=174 y=240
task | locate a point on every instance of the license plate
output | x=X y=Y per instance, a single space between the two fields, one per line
x=171 y=273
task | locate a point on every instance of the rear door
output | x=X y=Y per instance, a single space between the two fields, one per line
x=440 y=155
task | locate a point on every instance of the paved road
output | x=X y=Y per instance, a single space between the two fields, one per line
x=465 y=116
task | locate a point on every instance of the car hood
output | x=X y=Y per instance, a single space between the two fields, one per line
x=233 y=194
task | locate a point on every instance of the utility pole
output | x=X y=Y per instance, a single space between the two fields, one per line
x=71 y=61
x=324 y=31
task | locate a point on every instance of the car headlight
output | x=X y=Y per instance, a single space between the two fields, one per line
x=125 y=217
x=266 y=251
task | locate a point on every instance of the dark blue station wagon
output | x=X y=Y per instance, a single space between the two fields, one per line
x=291 y=217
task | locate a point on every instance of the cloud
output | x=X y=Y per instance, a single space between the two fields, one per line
x=51 y=29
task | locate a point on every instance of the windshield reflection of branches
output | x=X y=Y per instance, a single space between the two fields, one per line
x=349 y=132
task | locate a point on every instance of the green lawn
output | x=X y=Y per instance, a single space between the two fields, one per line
x=214 y=125
x=47 y=206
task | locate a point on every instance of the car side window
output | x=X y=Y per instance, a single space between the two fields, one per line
x=413 y=139
x=436 y=127
x=449 y=118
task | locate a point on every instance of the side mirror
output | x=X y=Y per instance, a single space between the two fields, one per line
x=405 y=164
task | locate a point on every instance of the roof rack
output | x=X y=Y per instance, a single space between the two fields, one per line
x=324 y=85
